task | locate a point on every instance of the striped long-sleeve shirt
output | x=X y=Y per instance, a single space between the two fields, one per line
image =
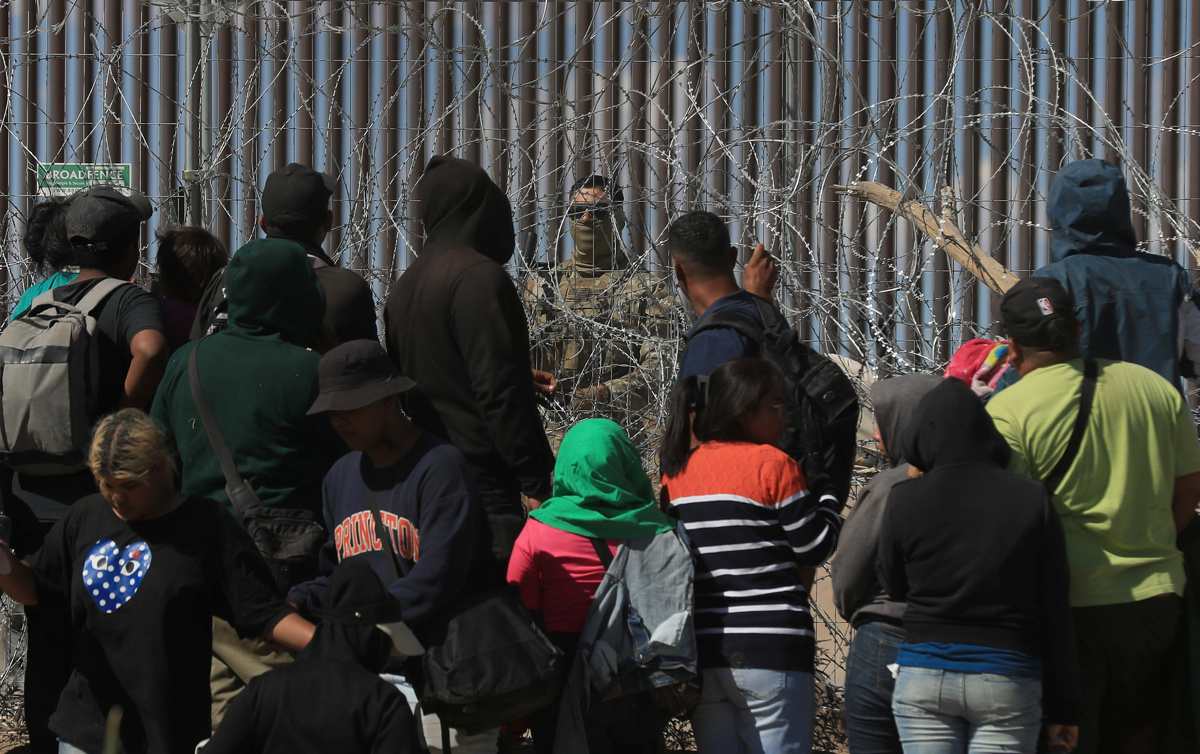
x=752 y=521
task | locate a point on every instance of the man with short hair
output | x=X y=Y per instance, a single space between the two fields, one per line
x=296 y=206
x=704 y=261
x=414 y=486
x=1133 y=483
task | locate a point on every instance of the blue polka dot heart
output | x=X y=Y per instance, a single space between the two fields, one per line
x=111 y=576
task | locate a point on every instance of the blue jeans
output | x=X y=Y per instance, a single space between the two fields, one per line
x=870 y=727
x=948 y=712
x=752 y=711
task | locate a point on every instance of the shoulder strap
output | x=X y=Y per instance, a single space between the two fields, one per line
x=734 y=319
x=92 y=299
x=381 y=532
x=606 y=556
x=1087 y=392
x=240 y=493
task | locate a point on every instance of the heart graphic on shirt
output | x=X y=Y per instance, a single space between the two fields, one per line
x=112 y=576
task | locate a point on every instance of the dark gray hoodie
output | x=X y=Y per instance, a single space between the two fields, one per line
x=856 y=590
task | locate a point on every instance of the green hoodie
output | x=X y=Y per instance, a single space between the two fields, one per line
x=259 y=377
x=600 y=489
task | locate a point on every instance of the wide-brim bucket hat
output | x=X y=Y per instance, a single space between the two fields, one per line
x=356 y=374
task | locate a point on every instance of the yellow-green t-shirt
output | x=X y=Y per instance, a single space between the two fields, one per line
x=1115 y=500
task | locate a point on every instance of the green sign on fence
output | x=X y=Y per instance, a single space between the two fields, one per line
x=65 y=178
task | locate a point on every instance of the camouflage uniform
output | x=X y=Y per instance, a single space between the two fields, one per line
x=616 y=328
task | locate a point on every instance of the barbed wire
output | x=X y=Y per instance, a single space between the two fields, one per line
x=754 y=110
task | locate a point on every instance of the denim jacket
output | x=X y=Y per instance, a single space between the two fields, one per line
x=638 y=635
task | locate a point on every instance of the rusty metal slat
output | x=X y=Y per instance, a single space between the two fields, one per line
x=855 y=246
x=1140 y=99
x=747 y=160
x=607 y=123
x=971 y=216
x=57 y=83
x=391 y=140
x=417 y=121
x=912 y=246
x=167 y=111
x=1001 y=207
x=472 y=95
x=833 y=113
x=885 y=273
x=445 y=83
x=661 y=117
x=223 y=127
x=636 y=195
x=355 y=182
x=249 y=59
x=527 y=110
x=501 y=129
x=693 y=134
x=302 y=125
x=559 y=167
x=26 y=11
x=1028 y=156
x=1193 y=193
x=717 y=164
x=112 y=79
x=1114 y=80
x=6 y=142
x=1171 y=103
x=1085 y=72
x=141 y=103
x=580 y=72
x=776 y=153
x=807 y=249
x=943 y=171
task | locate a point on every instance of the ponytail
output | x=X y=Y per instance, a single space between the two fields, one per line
x=712 y=407
x=677 y=438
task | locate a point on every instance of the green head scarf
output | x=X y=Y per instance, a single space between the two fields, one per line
x=600 y=489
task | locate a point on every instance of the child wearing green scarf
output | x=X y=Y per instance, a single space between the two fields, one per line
x=601 y=492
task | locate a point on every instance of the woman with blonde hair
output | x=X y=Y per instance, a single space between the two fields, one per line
x=143 y=568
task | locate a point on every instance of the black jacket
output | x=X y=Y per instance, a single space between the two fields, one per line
x=331 y=698
x=976 y=551
x=454 y=324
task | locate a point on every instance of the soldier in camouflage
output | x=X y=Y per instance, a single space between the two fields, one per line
x=601 y=325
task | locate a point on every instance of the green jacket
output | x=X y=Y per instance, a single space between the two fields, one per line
x=259 y=378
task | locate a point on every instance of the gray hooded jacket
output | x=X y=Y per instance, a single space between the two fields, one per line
x=856 y=590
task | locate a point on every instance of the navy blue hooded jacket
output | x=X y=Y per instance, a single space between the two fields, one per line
x=1127 y=301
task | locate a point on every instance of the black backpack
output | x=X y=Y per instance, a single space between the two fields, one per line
x=822 y=404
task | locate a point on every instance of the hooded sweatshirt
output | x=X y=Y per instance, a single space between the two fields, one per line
x=856 y=590
x=1127 y=302
x=976 y=551
x=331 y=698
x=259 y=378
x=454 y=324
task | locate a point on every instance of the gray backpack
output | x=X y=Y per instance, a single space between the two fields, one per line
x=49 y=383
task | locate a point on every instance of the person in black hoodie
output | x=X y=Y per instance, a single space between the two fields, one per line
x=331 y=698
x=978 y=553
x=455 y=324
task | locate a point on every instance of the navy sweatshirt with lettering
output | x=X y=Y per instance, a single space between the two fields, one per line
x=432 y=514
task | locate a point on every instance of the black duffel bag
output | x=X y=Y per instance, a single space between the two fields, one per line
x=487 y=663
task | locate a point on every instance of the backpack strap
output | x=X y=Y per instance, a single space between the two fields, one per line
x=241 y=494
x=740 y=322
x=606 y=556
x=1086 y=394
x=381 y=532
x=90 y=301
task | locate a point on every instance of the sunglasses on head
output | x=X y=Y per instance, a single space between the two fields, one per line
x=577 y=210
